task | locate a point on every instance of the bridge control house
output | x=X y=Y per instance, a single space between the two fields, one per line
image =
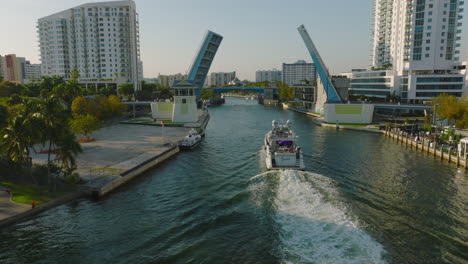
x=184 y=107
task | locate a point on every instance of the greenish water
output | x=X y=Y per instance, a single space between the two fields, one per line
x=362 y=199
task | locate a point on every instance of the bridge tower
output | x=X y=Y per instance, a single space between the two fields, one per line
x=203 y=59
x=332 y=96
x=329 y=101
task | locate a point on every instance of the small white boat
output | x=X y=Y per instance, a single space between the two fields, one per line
x=282 y=151
x=190 y=141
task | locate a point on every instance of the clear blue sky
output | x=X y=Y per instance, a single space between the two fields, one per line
x=258 y=34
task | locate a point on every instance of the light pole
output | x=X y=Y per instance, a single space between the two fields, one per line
x=134 y=102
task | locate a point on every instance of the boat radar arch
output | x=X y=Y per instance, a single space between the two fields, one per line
x=274 y=124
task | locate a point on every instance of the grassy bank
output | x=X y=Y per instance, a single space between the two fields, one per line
x=25 y=193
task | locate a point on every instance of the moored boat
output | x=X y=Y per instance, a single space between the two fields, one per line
x=190 y=141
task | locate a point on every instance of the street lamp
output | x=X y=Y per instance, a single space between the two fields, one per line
x=134 y=102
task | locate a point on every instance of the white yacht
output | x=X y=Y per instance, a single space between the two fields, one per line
x=190 y=141
x=282 y=151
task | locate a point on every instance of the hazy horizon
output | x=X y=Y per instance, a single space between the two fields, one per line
x=258 y=35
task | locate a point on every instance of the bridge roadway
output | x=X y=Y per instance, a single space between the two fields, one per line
x=376 y=105
x=238 y=88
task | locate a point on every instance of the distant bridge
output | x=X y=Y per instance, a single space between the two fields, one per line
x=218 y=90
x=402 y=106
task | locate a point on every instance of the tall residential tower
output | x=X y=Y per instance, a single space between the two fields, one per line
x=100 y=40
x=295 y=73
x=416 y=47
x=268 y=76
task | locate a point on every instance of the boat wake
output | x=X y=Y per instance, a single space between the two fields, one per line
x=312 y=224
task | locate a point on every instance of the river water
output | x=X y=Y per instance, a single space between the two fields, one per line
x=362 y=199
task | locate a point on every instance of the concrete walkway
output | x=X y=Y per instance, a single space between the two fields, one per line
x=9 y=208
x=117 y=148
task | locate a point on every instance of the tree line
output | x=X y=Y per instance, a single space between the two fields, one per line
x=452 y=108
x=49 y=113
x=148 y=92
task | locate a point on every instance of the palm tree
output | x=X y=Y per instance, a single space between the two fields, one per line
x=68 y=149
x=17 y=139
x=52 y=116
x=19 y=136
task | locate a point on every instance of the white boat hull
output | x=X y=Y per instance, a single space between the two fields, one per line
x=191 y=141
x=189 y=146
x=283 y=160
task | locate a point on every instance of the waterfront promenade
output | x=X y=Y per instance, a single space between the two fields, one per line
x=118 y=148
x=9 y=208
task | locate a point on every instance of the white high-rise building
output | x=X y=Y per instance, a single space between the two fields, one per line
x=268 y=76
x=168 y=80
x=221 y=78
x=32 y=72
x=295 y=73
x=416 y=34
x=100 y=40
x=416 y=48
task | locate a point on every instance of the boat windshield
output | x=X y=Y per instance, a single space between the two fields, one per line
x=285 y=146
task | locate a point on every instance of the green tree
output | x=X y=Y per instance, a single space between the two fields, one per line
x=68 y=91
x=452 y=108
x=285 y=92
x=48 y=83
x=149 y=87
x=164 y=92
x=82 y=106
x=52 y=116
x=126 y=89
x=74 y=74
x=103 y=107
x=9 y=88
x=3 y=116
x=144 y=95
x=68 y=149
x=206 y=94
x=107 y=91
x=117 y=108
x=84 y=124
x=17 y=139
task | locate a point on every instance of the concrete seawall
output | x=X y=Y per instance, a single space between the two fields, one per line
x=39 y=209
x=424 y=145
x=141 y=164
x=363 y=129
x=440 y=152
x=287 y=107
